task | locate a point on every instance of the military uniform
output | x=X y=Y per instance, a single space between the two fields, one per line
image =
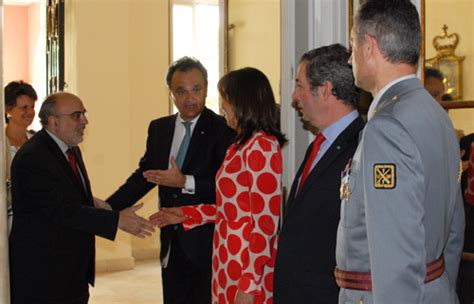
x=402 y=205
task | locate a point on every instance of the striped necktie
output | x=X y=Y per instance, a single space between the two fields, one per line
x=183 y=148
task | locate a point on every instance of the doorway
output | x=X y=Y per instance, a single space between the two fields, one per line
x=24 y=46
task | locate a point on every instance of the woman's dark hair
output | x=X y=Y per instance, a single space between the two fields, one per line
x=250 y=94
x=15 y=89
x=432 y=72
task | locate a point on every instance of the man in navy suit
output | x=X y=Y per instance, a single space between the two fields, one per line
x=52 y=244
x=183 y=153
x=327 y=97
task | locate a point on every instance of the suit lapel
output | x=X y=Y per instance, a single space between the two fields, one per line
x=337 y=147
x=162 y=141
x=82 y=168
x=61 y=159
x=294 y=186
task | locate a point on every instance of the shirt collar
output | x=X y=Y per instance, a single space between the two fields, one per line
x=332 y=132
x=62 y=145
x=193 y=121
x=375 y=102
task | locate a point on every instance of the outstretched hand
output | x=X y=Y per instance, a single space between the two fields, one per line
x=243 y=298
x=168 y=216
x=134 y=224
x=171 y=177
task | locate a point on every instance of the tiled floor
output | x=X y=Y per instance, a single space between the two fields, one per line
x=141 y=285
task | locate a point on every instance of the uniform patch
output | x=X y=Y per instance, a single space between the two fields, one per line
x=385 y=176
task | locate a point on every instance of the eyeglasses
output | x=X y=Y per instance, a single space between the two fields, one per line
x=76 y=115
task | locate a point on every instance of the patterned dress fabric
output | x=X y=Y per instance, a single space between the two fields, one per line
x=248 y=190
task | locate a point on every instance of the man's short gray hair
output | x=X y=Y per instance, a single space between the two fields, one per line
x=330 y=63
x=395 y=25
x=48 y=108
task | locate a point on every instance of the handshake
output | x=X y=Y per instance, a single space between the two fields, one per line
x=134 y=224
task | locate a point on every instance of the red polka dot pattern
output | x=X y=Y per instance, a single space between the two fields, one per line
x=222 y=231
x=234 y=166
x=257 y=203
x=234 y=270
x=256 y=161
x=257 y=243
x=244 y=179
x=268 y=281
x=267 y=183
x=243 y=201
x=236 y=225
x=230 y=211
x=246 y=232
x=266 y=224
x=222 y=279
x=223 y=255
x=275 y=163
x=222 y=299
x=227 y=187
x=265 y=144
x=248 y=198
x=234 y=242
x=215 y=241
x=275 y=203
x=192 y=213
x=259 y=263
x=231 y=291
x=215 y=263
x=209 y=210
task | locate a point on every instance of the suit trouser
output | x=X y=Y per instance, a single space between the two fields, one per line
x=20 y=299
x=184 y=282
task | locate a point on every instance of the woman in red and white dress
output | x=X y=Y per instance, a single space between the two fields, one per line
x=248 y=192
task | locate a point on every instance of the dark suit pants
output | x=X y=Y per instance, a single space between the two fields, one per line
x=304 y=287
x=184 y=282
x=20 y=299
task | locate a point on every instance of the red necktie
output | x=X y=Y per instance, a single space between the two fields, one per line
x=307 y=167
x=71 y=158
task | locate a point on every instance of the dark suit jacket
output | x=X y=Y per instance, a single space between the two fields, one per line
x=305 y=261
x=52 y=244
x=209 y=142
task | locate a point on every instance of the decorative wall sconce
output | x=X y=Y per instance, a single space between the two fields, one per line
x=447 y=62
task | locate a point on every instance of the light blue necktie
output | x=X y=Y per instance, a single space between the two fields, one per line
x=184 y=144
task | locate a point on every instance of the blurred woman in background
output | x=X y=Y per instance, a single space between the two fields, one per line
x=20 y=98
